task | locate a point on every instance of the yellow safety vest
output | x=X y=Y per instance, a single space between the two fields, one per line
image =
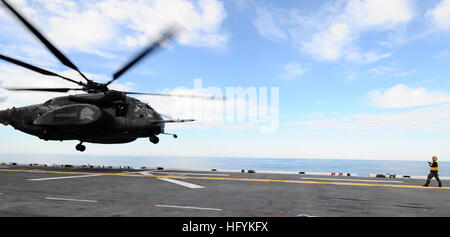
x=434 y=167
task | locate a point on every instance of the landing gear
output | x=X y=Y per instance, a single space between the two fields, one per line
x=154 y=139
x=80 y=147
x=174 y=135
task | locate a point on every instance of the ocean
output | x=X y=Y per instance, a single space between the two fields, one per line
x=360 y=167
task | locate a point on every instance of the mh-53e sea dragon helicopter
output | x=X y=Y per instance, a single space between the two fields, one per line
x=101 y=116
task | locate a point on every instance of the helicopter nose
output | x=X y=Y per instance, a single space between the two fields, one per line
x=5 y=117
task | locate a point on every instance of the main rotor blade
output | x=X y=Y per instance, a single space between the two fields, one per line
x=166 y=36
x=37 y=69
x=172 y=95
x=50 y=46
x=44 y=89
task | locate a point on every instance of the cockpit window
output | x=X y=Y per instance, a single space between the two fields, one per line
x=144 y=110
x=48 y=102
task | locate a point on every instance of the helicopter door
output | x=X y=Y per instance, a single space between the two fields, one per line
x=121 y=110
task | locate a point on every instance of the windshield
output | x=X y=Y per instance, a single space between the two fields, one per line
x=144 y=110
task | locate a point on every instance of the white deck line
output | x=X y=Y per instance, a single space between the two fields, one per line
x=66 y=177
x=185 y=207
x=185 y=184
x=355 y=180
x=199 y=174
x=68 y=199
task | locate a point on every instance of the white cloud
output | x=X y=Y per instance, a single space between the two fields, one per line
x=85 y=31
x=365 y=58
x=293 y=70
x=242 y=4
x=14 y=77
x=268 y=26
x=98 y=26
x=379 y=70
x=382 y=14
x=30 y=53
x=356 y=18
x=440 y=15
x=331 y=33
x=201 y=20
x=436 y=116
x=443 y=55
x=329 y=44
x=404 y=73
x=431 y=118
x=400 y=96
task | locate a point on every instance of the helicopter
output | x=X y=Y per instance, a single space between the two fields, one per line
x=101 y=115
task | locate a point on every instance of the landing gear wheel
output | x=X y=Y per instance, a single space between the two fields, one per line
x=154 y=139
x=80 y=147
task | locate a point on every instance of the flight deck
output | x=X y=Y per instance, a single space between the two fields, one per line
x=161 y=192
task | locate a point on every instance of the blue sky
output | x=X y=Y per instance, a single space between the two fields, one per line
x=360 y=79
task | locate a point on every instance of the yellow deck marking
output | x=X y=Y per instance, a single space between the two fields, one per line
x=230 y=179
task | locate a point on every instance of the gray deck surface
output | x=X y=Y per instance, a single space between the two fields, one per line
x=38 y=191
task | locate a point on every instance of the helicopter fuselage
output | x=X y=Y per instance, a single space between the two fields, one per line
x=93 y=118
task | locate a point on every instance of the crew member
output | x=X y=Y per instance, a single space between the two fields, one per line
x=434 y=167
